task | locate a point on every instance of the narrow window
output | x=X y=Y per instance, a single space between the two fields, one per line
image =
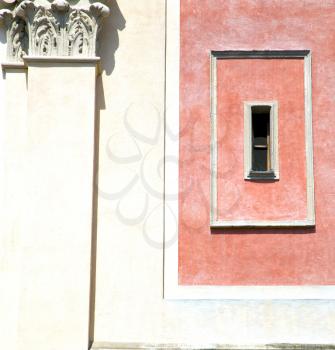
x=261 y=138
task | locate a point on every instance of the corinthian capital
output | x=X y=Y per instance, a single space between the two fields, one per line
x=58 y=30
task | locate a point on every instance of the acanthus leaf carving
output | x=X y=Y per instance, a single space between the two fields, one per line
x=5 y=17
x=17 y=43
x=60 y=6
x=17 y=39
x=59 y=30
x=44 y=34
x=80 y=33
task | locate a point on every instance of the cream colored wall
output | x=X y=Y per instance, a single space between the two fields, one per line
x=2 y=98
x=12 y=120
x=129 y=304
x=44 y=284
x=13 y=125
x=57 y=218
x=129 y=269
x=46 y=208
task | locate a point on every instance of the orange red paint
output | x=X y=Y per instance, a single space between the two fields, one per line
x=256 y=257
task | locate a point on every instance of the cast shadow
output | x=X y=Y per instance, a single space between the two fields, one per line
x=264 y=230
x=3 y=39
x=99 y=105
x=108 y=43
x=109 y=37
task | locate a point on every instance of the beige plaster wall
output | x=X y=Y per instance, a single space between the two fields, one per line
x=44 y=285
x=13 y=124
x=129 y=267
x=2 y=97
x=57 y=222
x=12 y=121
x=46 y=206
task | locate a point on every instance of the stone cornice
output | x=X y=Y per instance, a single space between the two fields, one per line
x=58 y=30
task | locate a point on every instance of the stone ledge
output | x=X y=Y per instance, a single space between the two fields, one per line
x=143 y=346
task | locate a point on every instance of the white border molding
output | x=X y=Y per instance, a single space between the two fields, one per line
x=215 y=221
x=179 y=346
x=172 y=289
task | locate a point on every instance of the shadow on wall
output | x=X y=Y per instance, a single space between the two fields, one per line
x=109 y=37
x=4 y=5
x=2 y=35
x=108 y=44
x=260 y=230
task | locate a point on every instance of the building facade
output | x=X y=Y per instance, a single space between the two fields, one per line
x=167 y=174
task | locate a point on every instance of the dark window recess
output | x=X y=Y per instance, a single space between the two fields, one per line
x=261 y=147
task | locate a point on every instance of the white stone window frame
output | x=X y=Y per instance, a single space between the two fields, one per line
x=172 y=290
x=274 y=156
x=309 y=221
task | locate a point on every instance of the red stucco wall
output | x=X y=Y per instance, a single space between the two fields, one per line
x=251 y=257
x=280 y=80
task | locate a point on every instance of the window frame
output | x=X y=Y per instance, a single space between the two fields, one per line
x=215 y=221
x=248 y=144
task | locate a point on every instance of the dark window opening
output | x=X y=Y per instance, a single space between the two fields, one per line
x=261 y=138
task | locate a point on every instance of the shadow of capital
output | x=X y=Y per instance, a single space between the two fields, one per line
x=3 y=35
x=3 y=30
x=108 y=43
x=109 y=37
x=264 y=230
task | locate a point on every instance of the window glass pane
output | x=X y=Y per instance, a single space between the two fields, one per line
x=260 y=138
x=259 y=160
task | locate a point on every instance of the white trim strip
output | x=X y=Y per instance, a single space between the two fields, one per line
x=214 y=147
x=309 y=138
x=214 y=346
x=13 y=65
x=60 y=59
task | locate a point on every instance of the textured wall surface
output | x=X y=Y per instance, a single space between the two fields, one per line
x=9 y=240
x=280 y=80
x=129 y=304
x=256 y=257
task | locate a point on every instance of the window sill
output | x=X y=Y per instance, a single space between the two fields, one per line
x=262 y=175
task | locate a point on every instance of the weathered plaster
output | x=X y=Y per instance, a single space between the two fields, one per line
x=129 y=311
x=255 y=256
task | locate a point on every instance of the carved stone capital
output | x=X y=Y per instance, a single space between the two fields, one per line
x=59 y=30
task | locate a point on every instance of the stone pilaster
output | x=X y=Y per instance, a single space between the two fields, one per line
x=54 y=47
